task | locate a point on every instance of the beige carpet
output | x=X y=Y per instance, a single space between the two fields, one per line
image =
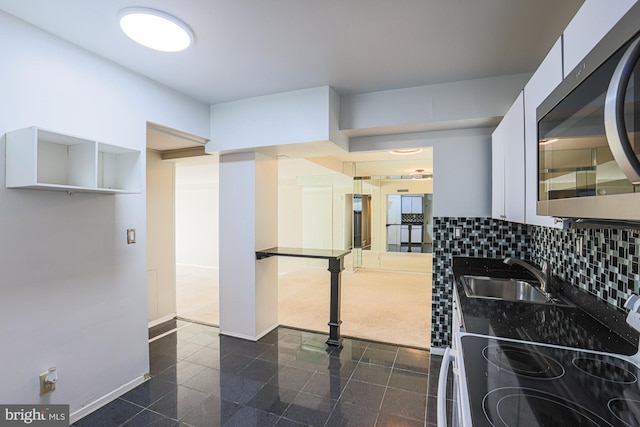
x=197 y=294
x=378 y=305
x=385 y=306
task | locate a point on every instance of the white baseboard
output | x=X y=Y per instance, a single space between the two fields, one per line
x=269 y=329
x=438 y=351
x=204 y=267
x=247 y=337
x=162 y=320
x=86 y=410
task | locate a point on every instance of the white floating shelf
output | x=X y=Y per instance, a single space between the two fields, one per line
x=46 y=160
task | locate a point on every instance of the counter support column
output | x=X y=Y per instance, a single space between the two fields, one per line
x=336 y=265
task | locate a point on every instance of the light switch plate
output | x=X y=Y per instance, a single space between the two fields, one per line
x=131 y=235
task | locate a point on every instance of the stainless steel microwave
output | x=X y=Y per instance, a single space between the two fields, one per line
x=589 y=133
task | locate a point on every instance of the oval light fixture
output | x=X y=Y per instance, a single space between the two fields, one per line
x=406 y=151
x=420 y=174
x=155 y=29
x=547 y=141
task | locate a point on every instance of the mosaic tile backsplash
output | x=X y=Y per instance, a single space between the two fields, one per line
x=602 y=261
x=478 y=237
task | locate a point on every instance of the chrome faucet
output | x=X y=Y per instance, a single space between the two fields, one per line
x=543 y=275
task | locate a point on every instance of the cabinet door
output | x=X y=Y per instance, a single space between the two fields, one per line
x=416 y=234
x=594 y=19
x=514 y=162
x=404 y=233
x=508 y=165
x=498 y=139
x=416 y=204
x=544 y=80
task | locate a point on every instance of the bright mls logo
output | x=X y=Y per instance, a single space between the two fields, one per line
x=34 y=415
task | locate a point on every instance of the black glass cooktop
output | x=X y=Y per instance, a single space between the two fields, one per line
x=518 y=383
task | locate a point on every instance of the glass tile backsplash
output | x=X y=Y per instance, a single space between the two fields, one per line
x=602 y=261
x=476 y=237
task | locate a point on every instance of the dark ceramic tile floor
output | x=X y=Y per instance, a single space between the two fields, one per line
x=288 y=378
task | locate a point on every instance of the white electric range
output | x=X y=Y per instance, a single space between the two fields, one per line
x=505 y=382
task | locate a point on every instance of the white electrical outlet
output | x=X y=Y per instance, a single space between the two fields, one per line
x=48 y=380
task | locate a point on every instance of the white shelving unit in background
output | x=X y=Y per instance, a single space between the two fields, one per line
x=46 y=160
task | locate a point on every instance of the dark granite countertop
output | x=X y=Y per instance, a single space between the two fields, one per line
x=303 y=253
x=589 y=323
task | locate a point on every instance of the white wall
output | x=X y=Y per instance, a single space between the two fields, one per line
x=317 y=217
x=289 y=214
x=161 y=241
x=448 y=105
x=290 y=188
x=461 y=167
x=74 y=294
x=197 y=203
x=248 y=287
x=295 y=229
x=284 y=118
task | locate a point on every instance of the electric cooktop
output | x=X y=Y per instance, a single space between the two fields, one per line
x=519 y=383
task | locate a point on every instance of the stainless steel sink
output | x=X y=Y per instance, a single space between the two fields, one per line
x=505 y=289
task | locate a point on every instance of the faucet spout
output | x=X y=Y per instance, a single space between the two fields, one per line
x=543 y=275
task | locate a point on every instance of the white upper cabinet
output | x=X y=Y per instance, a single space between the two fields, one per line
x=46 y=160
x=508 y=165
x=497 y=173
x=594 y=19
x=542 y=83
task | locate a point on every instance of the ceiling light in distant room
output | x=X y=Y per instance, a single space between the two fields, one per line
x=420 y=174
x=406 y=151
x=155 y=29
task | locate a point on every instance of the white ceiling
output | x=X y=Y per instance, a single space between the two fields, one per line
x=247 y=48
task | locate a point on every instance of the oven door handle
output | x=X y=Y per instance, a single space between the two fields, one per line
x=447 y=359
x=614 y=125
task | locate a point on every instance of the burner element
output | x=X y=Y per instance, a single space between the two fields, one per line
x=513 y=407
x=604 y=370
x=522 y=361
x=626 y=410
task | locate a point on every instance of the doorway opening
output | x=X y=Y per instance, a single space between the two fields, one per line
x=362 y=221
x=386 y=295
x=410 y=223
x=196 y=230
x=181 y=227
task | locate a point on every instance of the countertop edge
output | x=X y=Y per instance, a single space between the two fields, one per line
x=613 y=334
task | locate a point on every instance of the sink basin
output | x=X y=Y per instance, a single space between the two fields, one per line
x=504 y=289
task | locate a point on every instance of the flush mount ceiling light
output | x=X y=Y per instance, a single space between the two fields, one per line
x=155 y=29
x=406 y=151
x=547 y=141
x=420 y=174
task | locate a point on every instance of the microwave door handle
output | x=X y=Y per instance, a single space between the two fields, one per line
x=614 y=125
